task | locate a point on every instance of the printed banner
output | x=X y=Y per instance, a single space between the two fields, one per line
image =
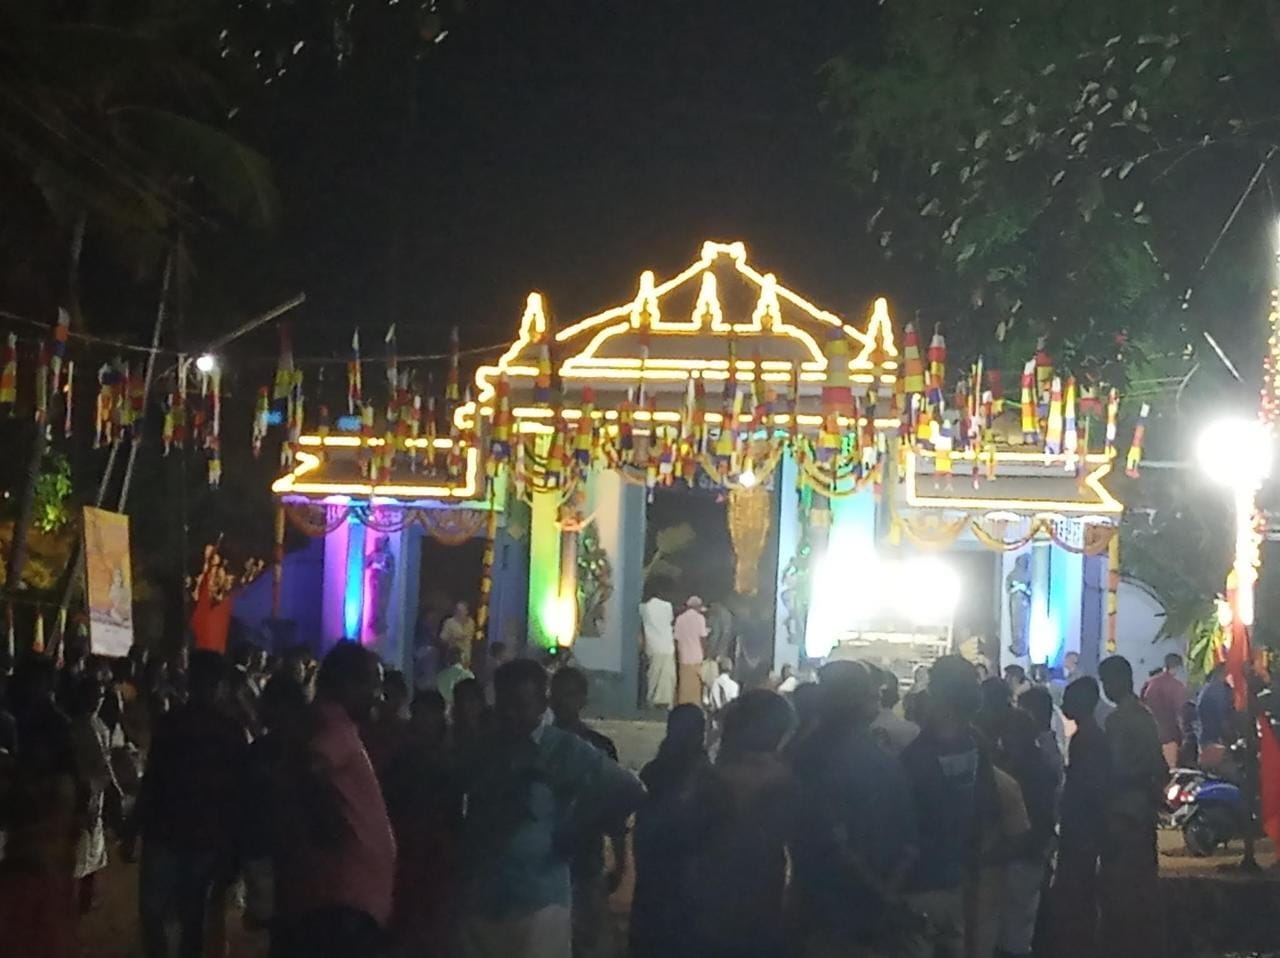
x=109 y=581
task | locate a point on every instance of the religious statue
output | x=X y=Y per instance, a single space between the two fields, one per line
x=1017 y=586
x=795 y=595
x=380 y=567
x=595 y=583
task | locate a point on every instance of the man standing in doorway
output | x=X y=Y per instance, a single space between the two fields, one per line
x=458 y=632
x=1164 y=695
x=657 y=617
x=691 y=632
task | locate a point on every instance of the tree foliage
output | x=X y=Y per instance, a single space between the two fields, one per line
x=1062 y=167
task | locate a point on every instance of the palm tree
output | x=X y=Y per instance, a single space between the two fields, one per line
x=109 y=126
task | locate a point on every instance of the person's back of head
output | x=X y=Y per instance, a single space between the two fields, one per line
x=1116 y=675
x=395 y=690
x=429 y=716
x=1080 y=699
x=1038 y=703
x=686 y=729
x=33 y=684
x=996 y=695
x=1015 y=674
x=206 y=676
x=848 y=693
x=807 y=702
x=468 y=703
x=569 y=691
x=953 y=693
x=283 y=703
x=86 y=695
x=755 y=723
x=520 y=696
x=350 y=676
x=1173 y=662
x=890 y=689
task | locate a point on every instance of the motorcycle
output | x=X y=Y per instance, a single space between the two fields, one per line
x=1182 y=782
x=1210 y=811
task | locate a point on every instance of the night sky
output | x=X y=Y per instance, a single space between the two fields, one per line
x=565 y=146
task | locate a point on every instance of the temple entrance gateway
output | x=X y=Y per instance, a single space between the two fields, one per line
x=868 y=497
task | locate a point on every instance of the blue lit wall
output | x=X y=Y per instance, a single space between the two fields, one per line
x=353 y=593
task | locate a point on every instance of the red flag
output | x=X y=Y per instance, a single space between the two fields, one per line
x=1269 y=779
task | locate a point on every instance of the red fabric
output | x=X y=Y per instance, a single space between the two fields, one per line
x=210 y=621
x=1269 y=780
x=1237 y=663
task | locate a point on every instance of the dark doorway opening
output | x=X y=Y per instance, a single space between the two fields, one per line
x=449 y=574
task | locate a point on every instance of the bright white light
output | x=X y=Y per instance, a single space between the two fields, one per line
x=747 y=479
x=878 y=595
x=1236 y=452
x=206 y=363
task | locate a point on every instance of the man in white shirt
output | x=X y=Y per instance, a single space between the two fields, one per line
x=657 y=617
x=724 y=689
x=892 y=731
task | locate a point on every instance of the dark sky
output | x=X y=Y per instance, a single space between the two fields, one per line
x=566 y=145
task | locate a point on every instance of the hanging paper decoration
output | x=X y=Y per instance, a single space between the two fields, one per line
x=937 y=366
x=135 y=406
x=1113 y=415
x=1030 y=413
x=837 y=396
x=174 y=432
x=284 y=367
x=586 y=426
x=58 y=349
x=555 y=457
x=107 y=415
x=1134 y=459
x=626 y=429
x=261 y=419
x=1044 y=369
x=42 y=383
x=68 y=386
x=793 y=406
x=1070 y=437
x=452 y=386
x=9 y=372
x=1053 y=425
x=393 y=375
x=500 y=439
x=542 y=380
x=995 y=386
x=913 y=368
x=355 y=376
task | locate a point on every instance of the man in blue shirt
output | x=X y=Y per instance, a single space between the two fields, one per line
x=529 y=791
x=1215 y=718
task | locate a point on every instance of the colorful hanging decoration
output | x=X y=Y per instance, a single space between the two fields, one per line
x=68 y=393
x=1070 y=434
x=542 y=380
x=1134 y=459
x=912 y=367
x=1053 y=423
x=111 y=382
x=1030 y=415
x=284 y=367
x=452 y=386
x=58 y=350
x=582 y=442
x=937 y=367
x=355 y=376
x=42 y=383
x=837 y=394
x=261 y=419
x=500 y=438
x=174 y=431
x=1113 y=416
x=393 y=363
x=1044 y=370
x=9 y=372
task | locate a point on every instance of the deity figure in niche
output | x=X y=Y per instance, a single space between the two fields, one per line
x=1017 y=586
x=380 y=574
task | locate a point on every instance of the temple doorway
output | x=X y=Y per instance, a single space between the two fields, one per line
x=450 y=573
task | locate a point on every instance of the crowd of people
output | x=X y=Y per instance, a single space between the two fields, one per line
x=336 y=811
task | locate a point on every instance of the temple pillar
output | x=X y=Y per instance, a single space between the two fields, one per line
x=786 y=642
x=333 y=593
x=1044 y=634
x=545 y=613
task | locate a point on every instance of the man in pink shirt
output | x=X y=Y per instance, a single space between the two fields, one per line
x=691 y=631
x=1164 y=695
x=336 y=867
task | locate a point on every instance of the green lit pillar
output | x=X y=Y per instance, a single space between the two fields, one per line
x=545 y=611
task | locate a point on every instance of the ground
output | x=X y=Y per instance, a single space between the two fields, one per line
x=1199 y=893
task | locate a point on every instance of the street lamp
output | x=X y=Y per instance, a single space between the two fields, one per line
x=206 y=363
x=1237 y=453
